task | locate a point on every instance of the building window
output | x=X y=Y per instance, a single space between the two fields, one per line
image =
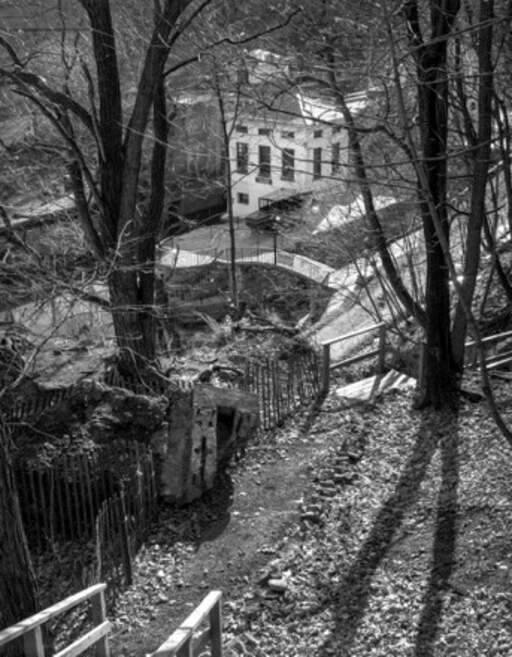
x=264 y=131
x=288 y=164
x=317 y=163
x=242 y=157
x=288 y=135
x=336 y=129
x=241 y=129
x=264 y=163
x=317 y=134
x=242 y=198
x=335 y=158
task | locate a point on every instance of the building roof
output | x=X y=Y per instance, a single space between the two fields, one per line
x=277 y=101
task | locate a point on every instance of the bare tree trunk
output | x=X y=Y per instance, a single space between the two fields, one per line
x=226 y=166
x=480 y=174
x=440 y=383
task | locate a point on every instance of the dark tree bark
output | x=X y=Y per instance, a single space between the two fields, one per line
x=440 y=383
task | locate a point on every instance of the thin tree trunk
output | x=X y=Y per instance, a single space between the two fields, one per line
x=480 y=174
x=226 y=166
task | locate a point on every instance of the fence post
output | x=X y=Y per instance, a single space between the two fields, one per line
x=216 y=628
x=33 y=645
x=99 y=616
x=382 y=348
x=326 y=367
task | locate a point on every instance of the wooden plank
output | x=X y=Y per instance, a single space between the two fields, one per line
x=24 y=626
x=70 y=524
x=60 y=501
x=186 y=649
x=44 y=506
x=355 y=359
x=490 y=338
x=34 y=505
x=216 y=628
x=86 y=641
x=90 y=498
x=33 y=645
x=188 y=627
x=354 y=334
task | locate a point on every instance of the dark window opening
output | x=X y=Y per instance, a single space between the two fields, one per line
x=317 y=163
x=335 y=158
x=264 y=162
x=288 y=164
x=242 y=157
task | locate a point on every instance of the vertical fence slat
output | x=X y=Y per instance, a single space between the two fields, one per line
x=67 y=494
x=88 y=486
x=35 y=508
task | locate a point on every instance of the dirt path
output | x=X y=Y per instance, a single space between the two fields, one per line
x=222 y=541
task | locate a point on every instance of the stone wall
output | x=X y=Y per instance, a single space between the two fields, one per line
x=188 y=446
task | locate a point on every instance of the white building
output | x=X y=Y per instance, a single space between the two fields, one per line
x=285 y=143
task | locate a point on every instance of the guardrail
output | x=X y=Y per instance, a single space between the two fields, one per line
x=327 y=365
x=493 y=360
x=184 y=642
x=31 y=631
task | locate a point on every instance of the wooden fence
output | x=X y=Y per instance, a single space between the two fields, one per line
x=121 y=526
x=186 y=641
x=60 y=502
x=30 y=630
x=282 y=386
x=328 y=365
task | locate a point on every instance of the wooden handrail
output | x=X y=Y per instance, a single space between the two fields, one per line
x=490 y=338
x=30 y=628
x=327 y=366
x=30 y=623
x=181 y=638
x=354 y=334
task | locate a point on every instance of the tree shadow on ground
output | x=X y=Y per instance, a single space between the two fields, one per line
x=352 y=596
x=443 y=550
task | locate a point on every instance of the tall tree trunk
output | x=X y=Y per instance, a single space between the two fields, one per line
x=133 y=321
x=440 y=381
x=226 y=166
x=480 y=173
x=18 y=588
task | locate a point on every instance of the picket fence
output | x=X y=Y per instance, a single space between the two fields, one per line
x=107 y=503
x=282 y=385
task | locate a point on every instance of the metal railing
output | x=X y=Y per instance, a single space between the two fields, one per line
x=31 y=629
x=327 y=365
x=186 y=641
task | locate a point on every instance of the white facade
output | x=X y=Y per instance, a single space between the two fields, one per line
x=275 y=151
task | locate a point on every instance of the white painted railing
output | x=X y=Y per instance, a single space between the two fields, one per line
x=31 y=629
x=327 y=365
x=186 y=641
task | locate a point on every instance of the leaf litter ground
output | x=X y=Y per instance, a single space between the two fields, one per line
x=373 y=530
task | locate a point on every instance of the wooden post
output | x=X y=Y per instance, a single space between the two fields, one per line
x=382 y=348
x=99 y=616
x=125 y=540
x=326 y=367
x=216 y=629
x=33 y=645
x=186 y=649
